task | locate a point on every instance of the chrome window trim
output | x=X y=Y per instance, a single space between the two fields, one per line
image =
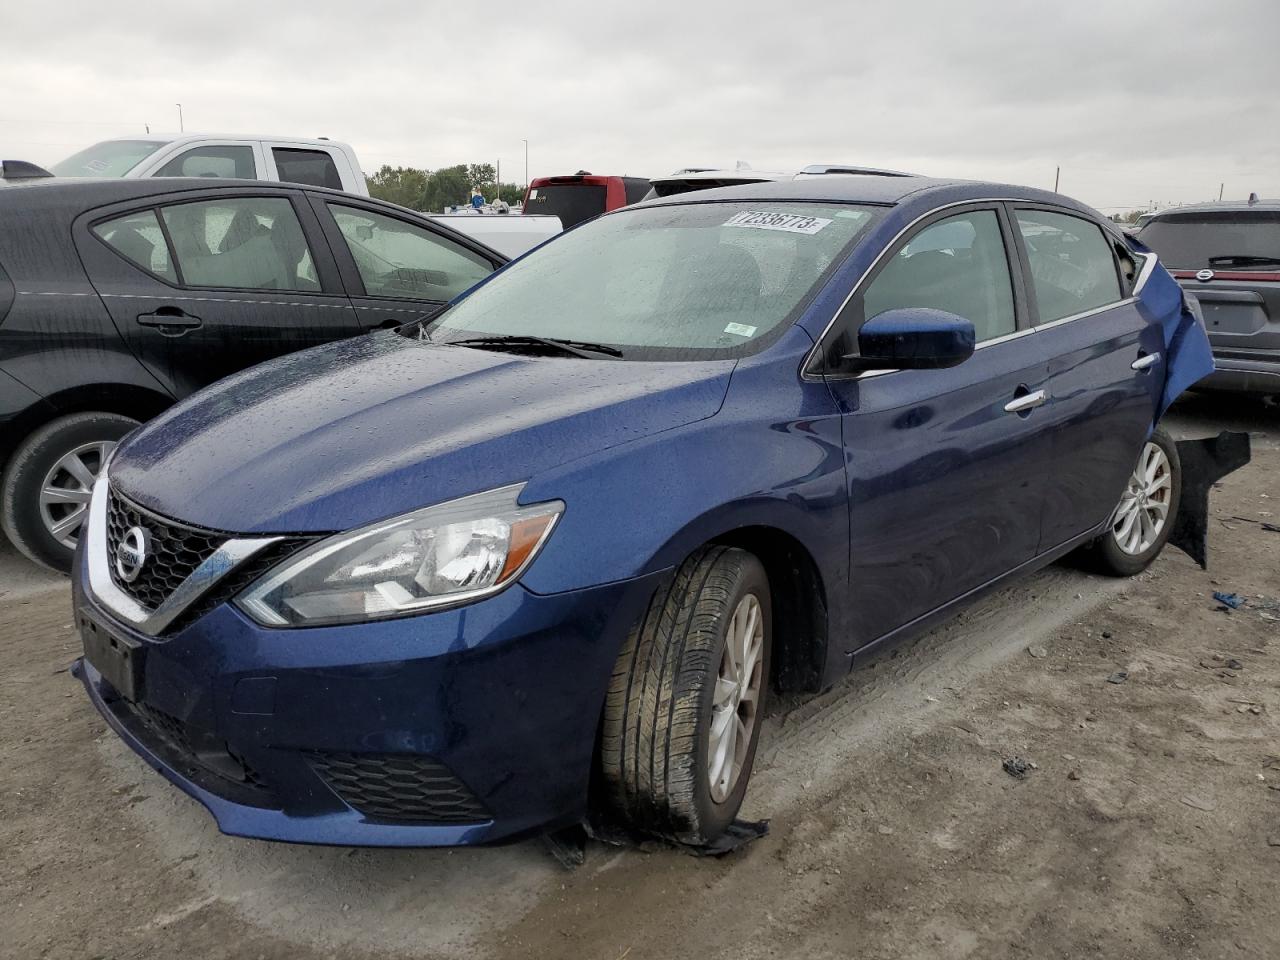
x=1144 y=274
x=225 y=559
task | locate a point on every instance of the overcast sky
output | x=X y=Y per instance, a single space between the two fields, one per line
x=1136 y=100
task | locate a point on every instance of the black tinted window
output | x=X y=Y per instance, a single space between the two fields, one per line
x=1236 y=239
x=312 y=167
x=571 y=202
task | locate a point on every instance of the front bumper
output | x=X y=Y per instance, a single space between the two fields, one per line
x=463 y=726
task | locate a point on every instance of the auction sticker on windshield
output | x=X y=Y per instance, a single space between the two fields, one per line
x=786 y=222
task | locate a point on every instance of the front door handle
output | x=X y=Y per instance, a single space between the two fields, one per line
x=1028 y=401
x=1145 y=362
x=170 y=321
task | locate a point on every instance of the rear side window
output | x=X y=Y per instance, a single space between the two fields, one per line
x=398 y=259
x=571 y=202
x=225 y=161
x=248 y=243
x=138 y=237
x=312 y=167
x=1072 y=266
x=1228 y=239
x=958 y=265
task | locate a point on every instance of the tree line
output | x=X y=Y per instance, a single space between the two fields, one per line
x=431 y=191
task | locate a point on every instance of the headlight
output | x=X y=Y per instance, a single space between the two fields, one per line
x=444 y=555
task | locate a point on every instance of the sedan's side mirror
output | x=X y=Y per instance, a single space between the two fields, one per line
x=913 y=338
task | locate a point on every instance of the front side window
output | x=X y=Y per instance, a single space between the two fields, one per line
x=248 y=243
x=312 y=167
x=958 y=265
x=1072 y=266
x=407 y=262
x=111 y=158
x=1222 y=240
x=226 y=161
x=685 y=282
x=138 y=236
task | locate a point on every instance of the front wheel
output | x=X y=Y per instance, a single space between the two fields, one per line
x=1144 y=517
x=684 y=708
x=45 y=490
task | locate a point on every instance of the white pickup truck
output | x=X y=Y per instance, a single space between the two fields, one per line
x=315 y=162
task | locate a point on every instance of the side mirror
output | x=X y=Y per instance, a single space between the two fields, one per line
x=913 y=338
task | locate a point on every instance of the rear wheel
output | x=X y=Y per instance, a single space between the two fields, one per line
x=683 y=713
x=45 y=489
x=1143 y=519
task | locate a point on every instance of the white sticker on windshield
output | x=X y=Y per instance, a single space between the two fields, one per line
x=786 y=222
x=741 y=329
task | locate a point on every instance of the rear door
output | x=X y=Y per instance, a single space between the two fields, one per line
x=946 y=467
x=206 y=285
x=1106 y=364
x=398 y=268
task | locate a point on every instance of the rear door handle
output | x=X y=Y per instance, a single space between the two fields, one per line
x=1028 y=401
x=1145 y=361
x=170 y=321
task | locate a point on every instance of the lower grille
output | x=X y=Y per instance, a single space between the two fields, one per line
x=403 y=787
x=200 y=752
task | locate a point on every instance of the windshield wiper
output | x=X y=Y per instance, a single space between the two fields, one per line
x=1244 y=260
x=576 y=348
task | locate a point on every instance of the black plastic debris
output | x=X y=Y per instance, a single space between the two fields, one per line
x=569 y=846
x=1204 y=462
x=1018 y=768
x=1120 y=676
x=1232 y=600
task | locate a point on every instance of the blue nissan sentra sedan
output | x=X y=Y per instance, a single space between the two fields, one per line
x=550 y=550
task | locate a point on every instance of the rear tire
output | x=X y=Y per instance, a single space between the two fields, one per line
x=666 y=735
x=1151 y=495
x=44 y=490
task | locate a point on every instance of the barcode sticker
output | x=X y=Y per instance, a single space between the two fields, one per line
x=785 y=222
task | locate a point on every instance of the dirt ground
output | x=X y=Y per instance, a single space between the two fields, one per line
x=1149 y=827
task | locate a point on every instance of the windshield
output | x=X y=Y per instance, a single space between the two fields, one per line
x=689 y=281
x=111 y=158
x=1229 y=239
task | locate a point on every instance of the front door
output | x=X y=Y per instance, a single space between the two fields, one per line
x=1106 y=366
x=945 y=467
x=203 y=288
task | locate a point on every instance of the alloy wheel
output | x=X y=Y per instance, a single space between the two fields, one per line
x=68 y=487
x=736 y=700
x=1144 y=508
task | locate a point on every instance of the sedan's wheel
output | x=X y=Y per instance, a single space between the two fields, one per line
x=1143 y=519
x=1143 y=511
x=682 y=716
x=45 y=491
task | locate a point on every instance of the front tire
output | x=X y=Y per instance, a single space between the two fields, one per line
x=685 y=704
x=1144 y=518
x=45 y=489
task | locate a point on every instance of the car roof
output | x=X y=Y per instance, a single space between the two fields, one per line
x=193 y=137
x=856 y=188
x=1220 y=206
x=93 y=190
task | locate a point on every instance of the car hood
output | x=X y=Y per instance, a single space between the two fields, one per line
x=356 y=431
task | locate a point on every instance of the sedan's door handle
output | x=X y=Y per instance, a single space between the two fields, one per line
x=1028 y=401
x=170 y=321
x=1145 y=361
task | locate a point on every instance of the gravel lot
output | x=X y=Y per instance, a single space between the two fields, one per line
x=1150 y=826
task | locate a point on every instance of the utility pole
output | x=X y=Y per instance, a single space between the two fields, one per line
x=180 y=128
x=1057 y=172
x=1220 y=186
x=497 y=177
x=526 y=166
